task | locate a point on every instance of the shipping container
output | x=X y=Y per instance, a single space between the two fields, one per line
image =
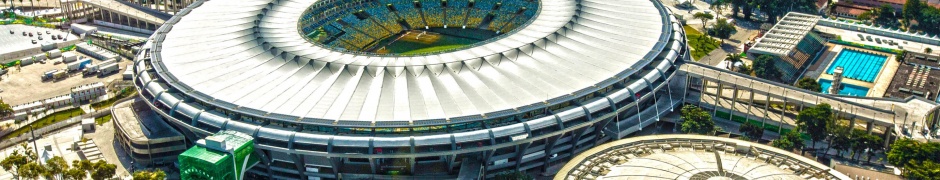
x=108 y=69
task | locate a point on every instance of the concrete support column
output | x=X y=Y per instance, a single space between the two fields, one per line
x=750 y=101
x=782 y=113
x=852 y=123
x=870 y=126
x=887 y=137
x=734 y=100
x=766 y=109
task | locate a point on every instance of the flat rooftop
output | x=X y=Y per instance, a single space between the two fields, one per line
x=919 y=75
x=16 y=41
x=139 y=122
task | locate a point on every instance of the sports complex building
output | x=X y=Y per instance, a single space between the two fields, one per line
x=401 y=88
x=694 y=157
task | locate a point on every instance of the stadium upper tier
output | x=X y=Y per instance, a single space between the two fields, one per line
x=359 y=24
x=563 y=77
x=226 y=55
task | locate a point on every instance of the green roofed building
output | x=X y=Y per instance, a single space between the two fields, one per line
x=225 y=155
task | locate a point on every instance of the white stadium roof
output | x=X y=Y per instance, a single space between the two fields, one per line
x=224 y=54
x=786 y=34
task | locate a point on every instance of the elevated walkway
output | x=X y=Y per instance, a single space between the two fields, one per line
x=747 y=91
x=130 y=10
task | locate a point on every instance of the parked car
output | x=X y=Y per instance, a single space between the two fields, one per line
x=59 y=36
x=30 y=34
x=11 y=32
x=47 y=32
x=34 y=41
x=24 y=33
x=40 y=37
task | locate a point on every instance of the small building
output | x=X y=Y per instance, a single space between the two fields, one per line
x=146 y=138
x=792 y=43
x=225 y=155
x=88 y=124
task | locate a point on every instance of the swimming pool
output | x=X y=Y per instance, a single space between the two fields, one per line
x=847 y=89
x=858 y=65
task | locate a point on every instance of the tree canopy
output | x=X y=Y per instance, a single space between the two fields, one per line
x=918 y=159
x=156 y=174
x=815 y=121
x=704 y=17
x=5 y=109
x=764 y=68
x=751 y=131
x=696 y=120
x=722 y=29
x=103 y=170
x=788 y=141
x=809 y=84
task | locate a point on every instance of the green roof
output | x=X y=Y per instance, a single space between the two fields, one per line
x=204 y=154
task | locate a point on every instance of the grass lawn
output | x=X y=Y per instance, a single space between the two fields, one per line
x=432 y=49
x=103 y=119
x=45 y=121
x=107 y=103
x=700 y=44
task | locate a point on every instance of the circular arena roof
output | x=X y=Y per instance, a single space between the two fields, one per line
x=693 y=157
x=228 y=55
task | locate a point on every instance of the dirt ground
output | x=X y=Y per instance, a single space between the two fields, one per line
x=26 y=85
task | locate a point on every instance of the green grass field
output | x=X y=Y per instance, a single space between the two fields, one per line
x=432 y=49
x=411 y=48
x=50 y=119
x=701 y=45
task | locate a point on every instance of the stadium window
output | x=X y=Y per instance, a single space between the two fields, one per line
x=559 y=106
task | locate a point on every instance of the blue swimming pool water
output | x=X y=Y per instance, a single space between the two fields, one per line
x=858 y=65
x=847 y=89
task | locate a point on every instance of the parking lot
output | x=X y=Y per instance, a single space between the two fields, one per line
x=26 y=85
x=17 y=41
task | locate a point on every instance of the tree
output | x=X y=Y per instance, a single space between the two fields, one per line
x=704 y=17
x=5 y=109
x=764 y=67
x=928 y=50
x=789 y=141
x=84 y=165
x=912 y=10
x=719 y=5
x=31 y=170
x=885 y=16
x=809 y=84
x=838 y=138
x=752 y=131
x=511 y=175
x=929 y=20
x=74 y=173
x=103 y=170
x=13 y=162
x=737 y=5
x=55 y=167
x=745 y=69
x=156 y=174
x=873 y=143
x=814 y=121
x=723 y=29
x=696 y=120
x=923 y=170
x=867 y=15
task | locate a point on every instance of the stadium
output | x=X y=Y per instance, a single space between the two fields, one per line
x=694 y=157
x=384 y=89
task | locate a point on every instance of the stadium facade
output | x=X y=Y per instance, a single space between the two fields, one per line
x=574 y=75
